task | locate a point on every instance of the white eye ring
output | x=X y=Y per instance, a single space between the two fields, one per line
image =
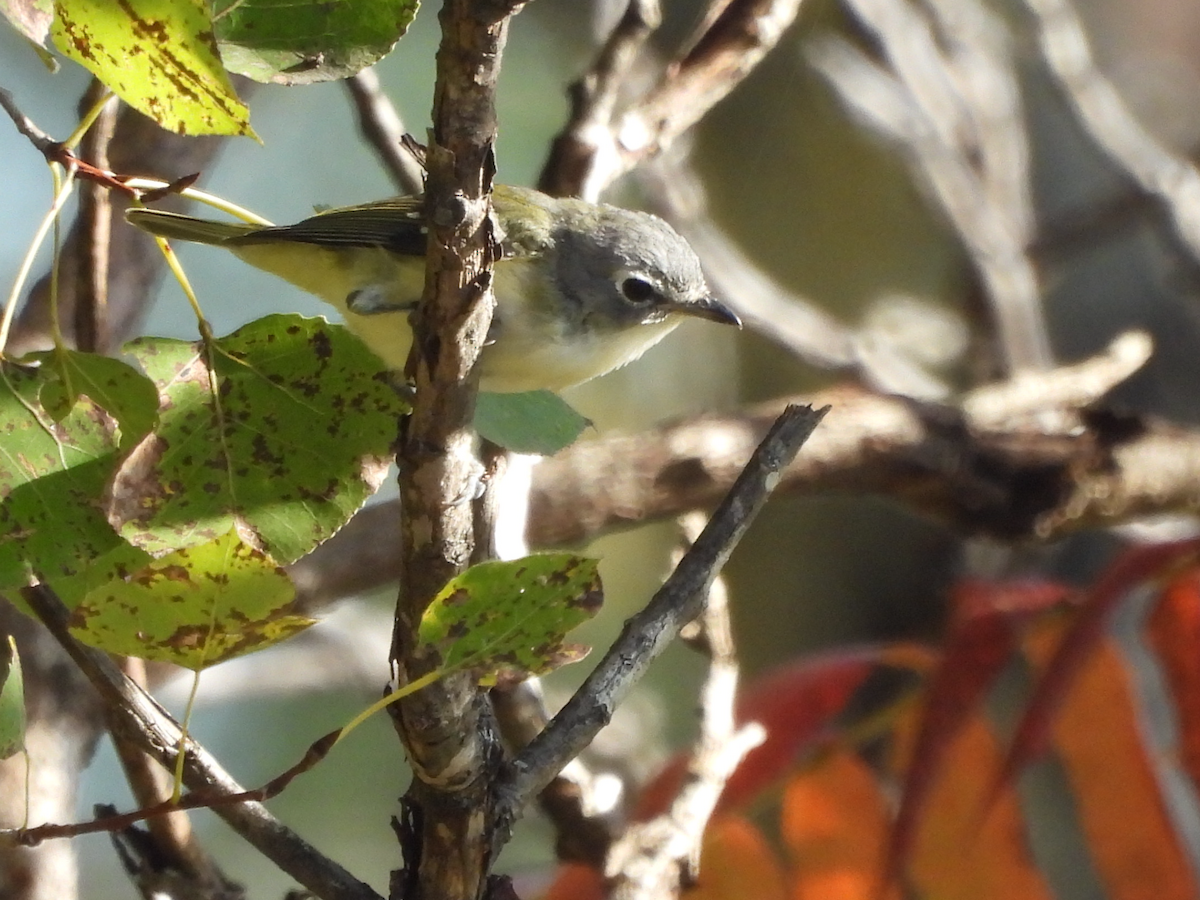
x=637 y=289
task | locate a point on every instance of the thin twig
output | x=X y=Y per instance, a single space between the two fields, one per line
x=141 y=720
x=657 y=858
x=583 y=154
x=381 y=125
x=948 y=98
x=1167 y=177
x=648 y=633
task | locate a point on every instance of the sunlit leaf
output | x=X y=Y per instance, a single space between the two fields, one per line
x=834 y=821
x=302 y=41
x=53 y=473
x=531 y=422
x=958 y=853
x=511 y=617
x=121 y=390
x=288 y=441
x=737 y=862
x=12 y=700
x=159 y=56
x=195 y=607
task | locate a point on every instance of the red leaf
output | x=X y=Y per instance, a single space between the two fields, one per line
x=1174 y=631
x=1132 y=567
x=986 y=621
x=796 y=704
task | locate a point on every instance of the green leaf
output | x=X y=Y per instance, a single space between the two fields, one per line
x=159 y=56
x=304 y=41
x=123 y=392
x=530 y=422
x=53 y=472
x=195 y=607
x=287 y=438
x=12 y=700
x=31 y=18
x=511 y=617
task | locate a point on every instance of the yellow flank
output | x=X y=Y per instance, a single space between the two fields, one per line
x=333 y=275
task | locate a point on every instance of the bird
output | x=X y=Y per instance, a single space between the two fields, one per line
x=581 y=288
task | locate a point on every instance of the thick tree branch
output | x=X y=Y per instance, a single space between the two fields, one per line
x=447 y=727
x=984 y=464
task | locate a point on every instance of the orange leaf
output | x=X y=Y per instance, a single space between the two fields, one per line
x=834 y=821
x=737 y=863
x=956 y=855
x=1096 y=732
x=1131 y=568
x=984 y=629
x=1174 y=631
x=796 y=704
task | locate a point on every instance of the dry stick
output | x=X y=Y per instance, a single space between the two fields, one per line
x=582 y=156
x=1172 y=180
x=447 y=728
x=869 y=444
x=657 y=858
x=95 y=227
x=648 y=633
x=139 y=718
x=922 y=102
x=382 y=126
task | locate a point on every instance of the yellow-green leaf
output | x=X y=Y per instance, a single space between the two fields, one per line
x=159 y=56
x=195 y=607
x=501 y=618
x=12 y=700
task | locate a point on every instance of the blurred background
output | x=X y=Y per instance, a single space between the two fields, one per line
x=828 y=209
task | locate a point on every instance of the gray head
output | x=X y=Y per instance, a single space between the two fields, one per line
x=621 y=268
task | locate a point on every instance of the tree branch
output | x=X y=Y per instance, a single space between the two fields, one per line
x=447 y=727
x=138 y=718
x=647 y=634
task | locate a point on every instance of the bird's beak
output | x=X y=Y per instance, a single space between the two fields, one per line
x=712 y=309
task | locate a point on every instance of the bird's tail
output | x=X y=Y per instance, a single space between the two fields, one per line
x=185 y=228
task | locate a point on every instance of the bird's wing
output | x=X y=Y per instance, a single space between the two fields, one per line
x=394 y=225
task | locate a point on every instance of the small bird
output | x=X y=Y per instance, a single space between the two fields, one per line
x=581 y=288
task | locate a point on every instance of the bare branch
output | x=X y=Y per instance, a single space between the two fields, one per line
x=381 y=125
x=733 y=44
x=949 y=100
x=1172 y=180
x=648 y=633
x=582 y=156
x=1013 y=479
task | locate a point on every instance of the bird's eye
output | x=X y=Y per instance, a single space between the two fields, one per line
x=638 y=291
